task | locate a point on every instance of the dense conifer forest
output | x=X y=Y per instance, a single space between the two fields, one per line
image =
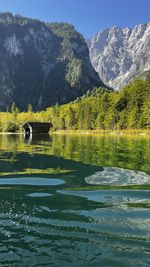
x=98 y=109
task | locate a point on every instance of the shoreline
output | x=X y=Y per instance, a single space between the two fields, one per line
x=129 y=132
x=11 y=133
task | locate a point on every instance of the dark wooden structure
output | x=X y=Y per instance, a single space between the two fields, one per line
x=36 y=127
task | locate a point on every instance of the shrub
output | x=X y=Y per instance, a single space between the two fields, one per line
x=11 y=127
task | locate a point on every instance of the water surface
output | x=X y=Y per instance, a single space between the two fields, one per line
x=74 y=201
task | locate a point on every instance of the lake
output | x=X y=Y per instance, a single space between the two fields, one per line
x=74 y=201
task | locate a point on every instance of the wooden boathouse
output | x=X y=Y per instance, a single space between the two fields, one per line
x=36 y=127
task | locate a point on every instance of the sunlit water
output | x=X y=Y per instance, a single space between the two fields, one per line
x=74 y=201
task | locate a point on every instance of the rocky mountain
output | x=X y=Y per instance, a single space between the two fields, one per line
x=119 y=55
x=42 y=63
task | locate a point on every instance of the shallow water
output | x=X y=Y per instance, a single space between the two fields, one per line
x=74 y=201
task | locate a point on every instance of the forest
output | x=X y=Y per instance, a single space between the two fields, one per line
x=98 y=109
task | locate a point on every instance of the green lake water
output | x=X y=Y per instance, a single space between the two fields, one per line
x=74 y=201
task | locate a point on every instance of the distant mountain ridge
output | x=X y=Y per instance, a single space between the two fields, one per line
x=121 y=54
x=42 y=63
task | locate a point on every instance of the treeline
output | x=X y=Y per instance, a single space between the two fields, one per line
x=99 y=109
x=129 y=108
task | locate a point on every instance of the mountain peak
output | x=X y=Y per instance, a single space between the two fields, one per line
x=42 y=63
x=120 y=54
x=6 y=17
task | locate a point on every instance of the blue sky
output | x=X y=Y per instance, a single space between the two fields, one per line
x=88 y=16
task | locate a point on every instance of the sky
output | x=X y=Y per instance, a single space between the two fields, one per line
x=88 y=16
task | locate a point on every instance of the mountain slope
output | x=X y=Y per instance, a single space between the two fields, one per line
x=119 y=55
x=42 y=63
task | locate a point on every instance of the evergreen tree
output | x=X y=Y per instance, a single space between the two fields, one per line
x=30 y=108
x=14 y=111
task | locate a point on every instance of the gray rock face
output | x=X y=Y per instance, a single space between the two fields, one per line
x=119 y=55
x=42 y=64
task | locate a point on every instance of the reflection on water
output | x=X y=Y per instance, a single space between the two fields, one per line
x=122 y=199
x=40 y=195
x=128 y=153
x=31 y=181
x=55 y=209
x=118 y=176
